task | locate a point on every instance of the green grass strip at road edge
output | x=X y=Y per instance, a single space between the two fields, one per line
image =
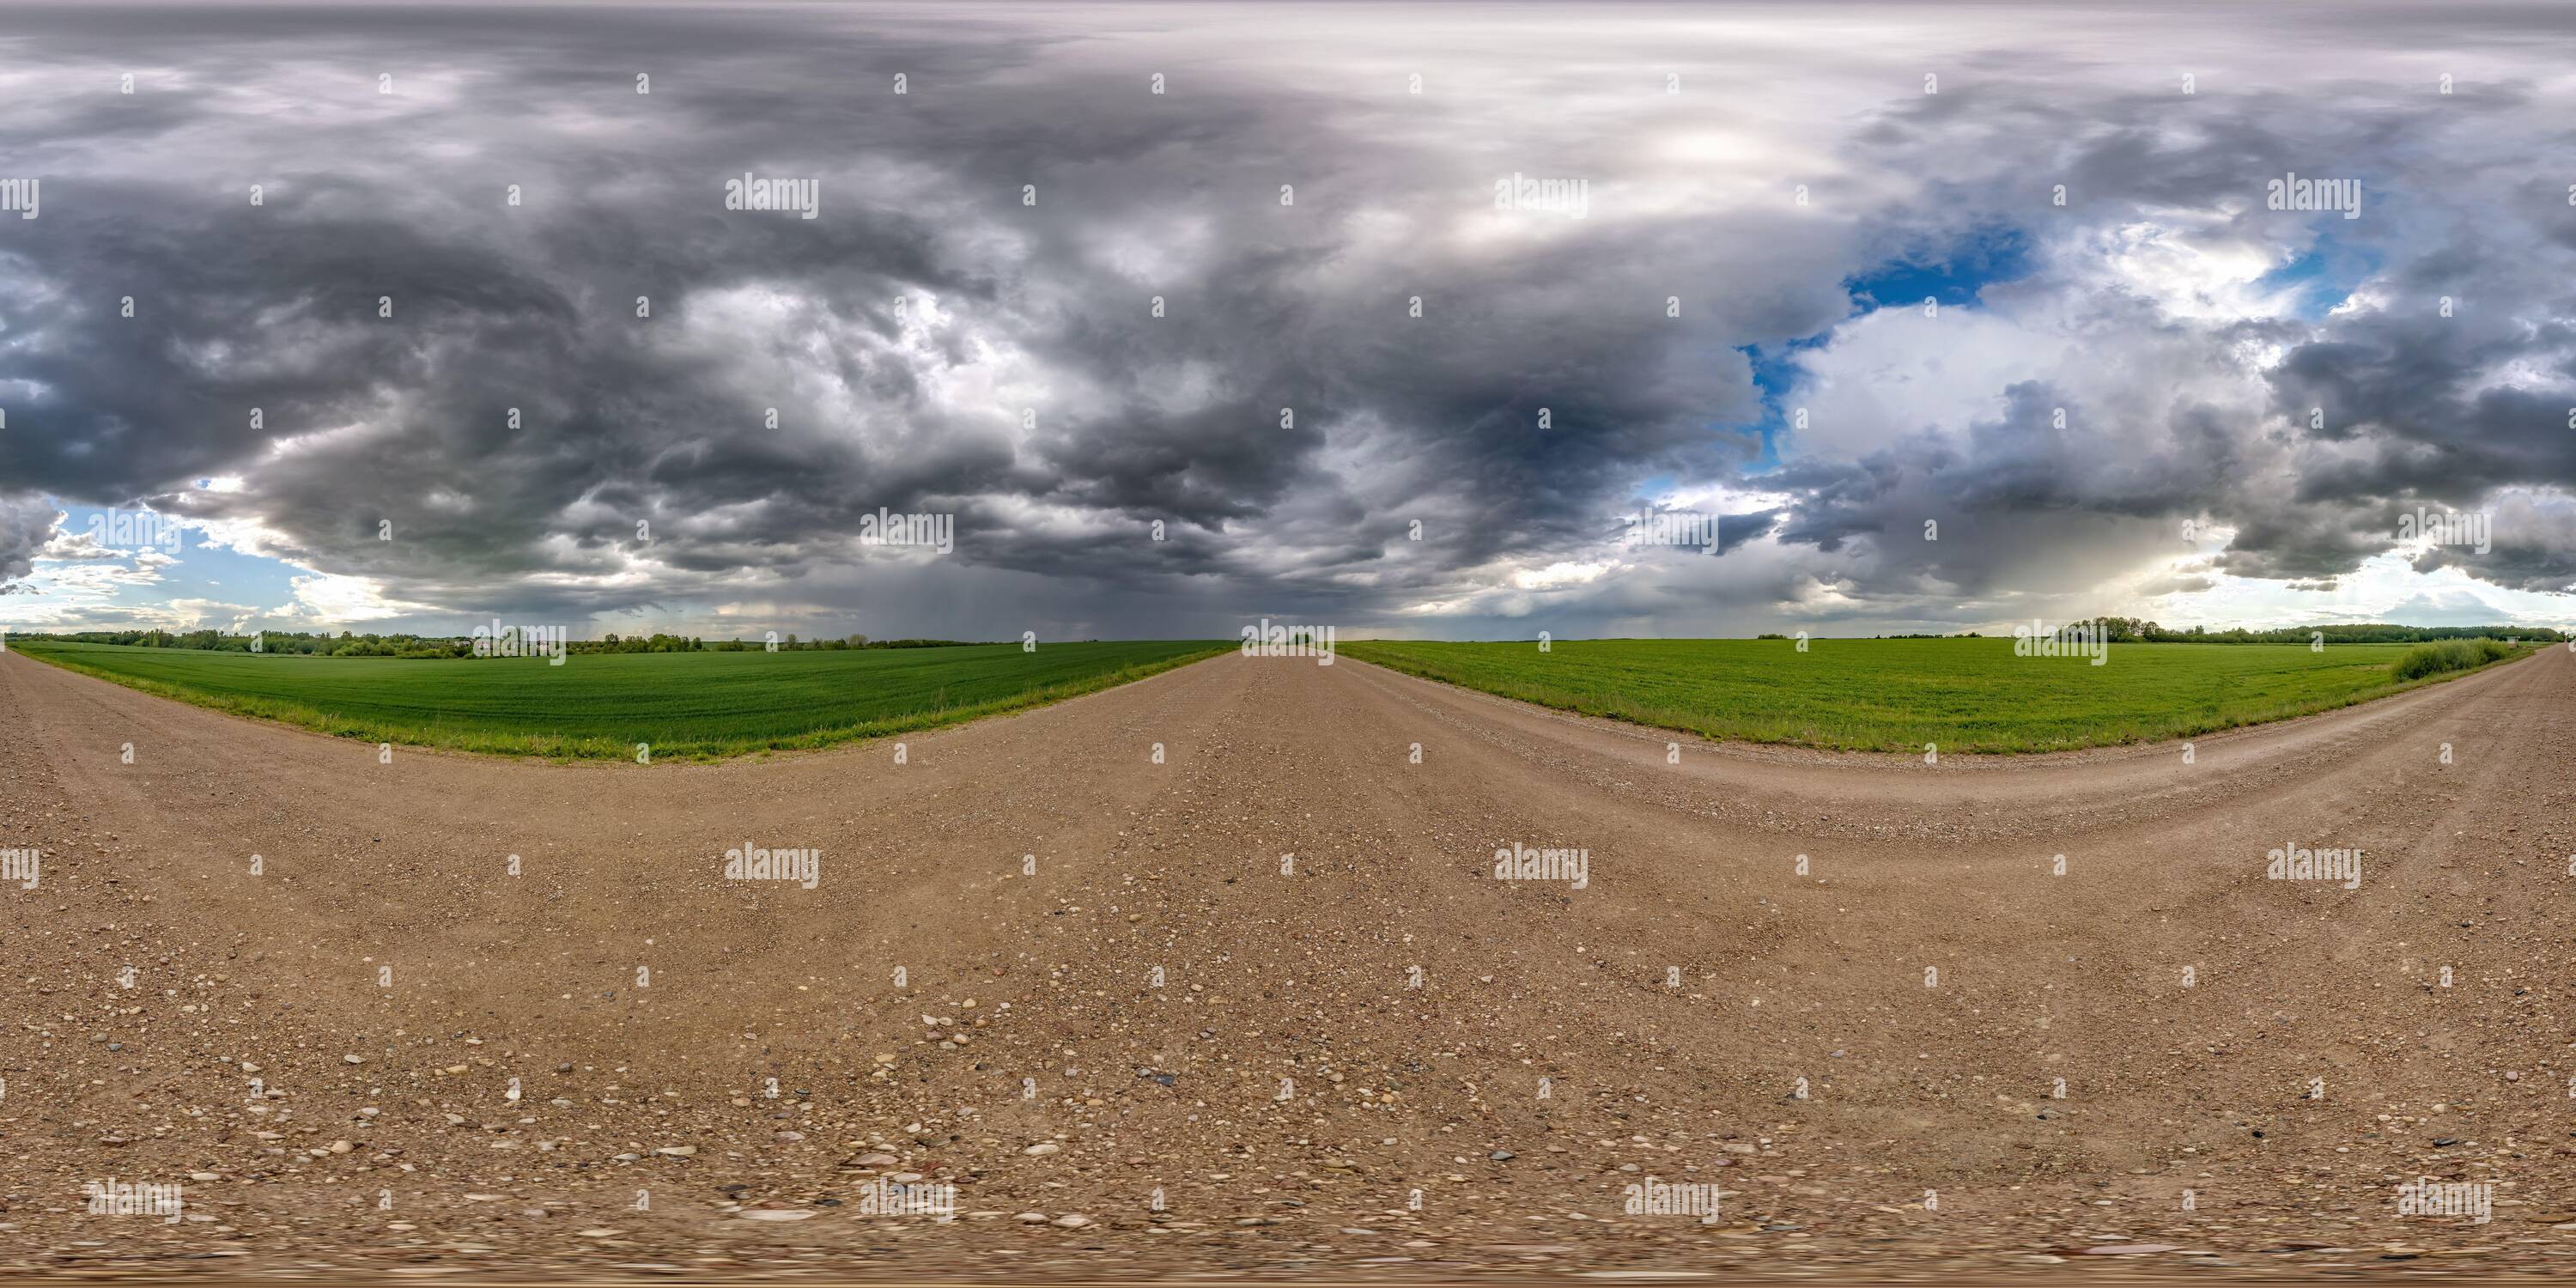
x=1683 y=721
x=556 y=747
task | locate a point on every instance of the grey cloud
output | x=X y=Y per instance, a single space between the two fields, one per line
x=26 y=524
x=1435 y=419
x=2531 y=544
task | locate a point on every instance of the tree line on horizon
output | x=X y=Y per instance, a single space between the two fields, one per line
x=2137 y=630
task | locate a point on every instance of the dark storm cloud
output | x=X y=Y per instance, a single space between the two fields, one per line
x=260 y=324
x=930 y=343
x=407 y=421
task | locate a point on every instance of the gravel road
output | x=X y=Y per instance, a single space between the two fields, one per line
x=1214 y=973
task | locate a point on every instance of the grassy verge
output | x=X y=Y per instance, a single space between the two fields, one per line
x=1963 y=695
x=690 y=706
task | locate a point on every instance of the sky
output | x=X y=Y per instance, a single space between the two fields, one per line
x=1403 y=319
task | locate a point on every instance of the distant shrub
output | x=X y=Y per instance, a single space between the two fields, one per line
x=1770 y=635
x=2448 y=655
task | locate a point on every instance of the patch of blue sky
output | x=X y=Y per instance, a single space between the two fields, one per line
x=1953 y=276
x=2325 y=276
x=195 y=571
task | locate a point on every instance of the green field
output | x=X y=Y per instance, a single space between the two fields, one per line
x=686 y=705
x=1896 y=695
